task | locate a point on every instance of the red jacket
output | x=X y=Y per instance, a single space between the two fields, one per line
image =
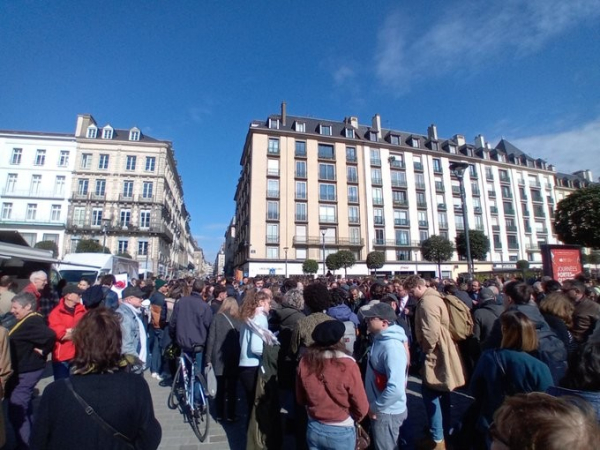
x=59 y=320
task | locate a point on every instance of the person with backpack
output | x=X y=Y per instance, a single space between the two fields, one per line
x=485 y=315
x=341 y=311
x=442 y=367
x=518 y=296
x=156 y=328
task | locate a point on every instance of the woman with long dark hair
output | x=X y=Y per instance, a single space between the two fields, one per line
x=329 y=385
x=121 y=400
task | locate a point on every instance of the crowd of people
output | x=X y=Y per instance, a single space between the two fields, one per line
x=314 y=359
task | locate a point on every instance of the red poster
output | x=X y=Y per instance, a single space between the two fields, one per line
x=566 y=263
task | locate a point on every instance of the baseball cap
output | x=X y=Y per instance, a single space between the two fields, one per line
x=382 y=311
x=72 y=289
x=132 y=291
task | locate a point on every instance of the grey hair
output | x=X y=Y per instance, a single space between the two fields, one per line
x=294 y=299
x=24 y=299
x=38 y=275
x=495 y=290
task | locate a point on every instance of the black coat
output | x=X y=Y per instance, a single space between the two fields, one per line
x=484 y=318
x=29 y=333
x=223 y=345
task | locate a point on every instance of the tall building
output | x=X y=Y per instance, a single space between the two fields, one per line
x=310 y=187
x=35 y=183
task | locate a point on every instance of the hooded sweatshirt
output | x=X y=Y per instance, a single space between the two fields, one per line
x=343 y=313
x=388 y=357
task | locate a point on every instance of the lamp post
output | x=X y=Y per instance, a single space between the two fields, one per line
x=105 y=224
x=458 y=169
x=285 y=249
x=323 y=234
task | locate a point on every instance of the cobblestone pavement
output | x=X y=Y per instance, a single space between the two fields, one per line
x=177 y=435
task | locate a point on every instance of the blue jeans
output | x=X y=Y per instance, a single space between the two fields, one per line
x=320 y=436
x=155 y=347
x=198 y=359
x=386 y=430
x=19 y=405
x=437 y=408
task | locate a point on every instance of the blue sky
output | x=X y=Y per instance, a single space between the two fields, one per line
x=197 y=73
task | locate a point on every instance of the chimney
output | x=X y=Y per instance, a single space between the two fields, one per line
x=283 y=113
x=459 y=139
x=432 y=132
x=377 y=123
x=83 y=122
x=589 y=176
x=352 y=121
x=479 y=141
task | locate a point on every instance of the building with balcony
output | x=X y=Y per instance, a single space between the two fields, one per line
x=310 y=187
x=35 y=184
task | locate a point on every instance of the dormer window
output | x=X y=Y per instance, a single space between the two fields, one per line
x=469 y=152
x=325 y=130
x=274 y=124
x=349 y=133
x=373 y=136
x=394 y=139
x=107 y=132
x=300 y=127
x=452 y=149
x=92 y=132
x=134 y=134
x=485 y=154
x=434 y=145
x=414 y=142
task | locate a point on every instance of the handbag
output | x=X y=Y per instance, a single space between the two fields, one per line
x=211 y=381
x=363 y=440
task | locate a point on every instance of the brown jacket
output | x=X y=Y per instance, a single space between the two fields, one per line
x=585 y=316
x=442 y=369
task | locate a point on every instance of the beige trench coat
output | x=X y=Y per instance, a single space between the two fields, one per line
x=442 y=369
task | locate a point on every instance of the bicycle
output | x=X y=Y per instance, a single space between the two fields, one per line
x=188 y=393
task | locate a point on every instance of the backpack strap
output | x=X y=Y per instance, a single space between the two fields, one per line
x=99 y=420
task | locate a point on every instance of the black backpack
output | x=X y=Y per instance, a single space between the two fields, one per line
x=93 y=296
x=552 y=351
x=8 y=320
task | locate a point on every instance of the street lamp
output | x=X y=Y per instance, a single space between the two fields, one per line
x=458 y=169
x=105 y=224
x=323 y=234
x=285 y=249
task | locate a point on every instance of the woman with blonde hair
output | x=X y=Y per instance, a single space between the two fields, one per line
x=223 y=353
x=508 y=370
x=557 y=310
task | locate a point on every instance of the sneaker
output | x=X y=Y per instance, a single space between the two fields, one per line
x=154 y=375
x=158 y=377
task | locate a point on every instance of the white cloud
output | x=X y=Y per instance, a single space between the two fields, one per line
x=468 y=35
x=569 y=150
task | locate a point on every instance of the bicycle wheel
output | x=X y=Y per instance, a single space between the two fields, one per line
x=199 y=417
x=174 y=398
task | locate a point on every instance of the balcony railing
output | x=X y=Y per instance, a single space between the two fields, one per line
x=395 y=243
x=378 y=201
x=439 y=186
x=421 y=204
x=301 y=217
x=477 y=209
x=491 y=194
x=272 y=239
x=350 y=159
x=513 y=246
x=489 y=176
x=275 y=194
x=441 y=207
x=437 y=169
x=507 y=195
x=460 y=226
x=475 y=191
x=399 y=183
x=537 y=198
x=423 y=223
x=353 y=219
x=511 y=228
x=534 y=183
x=317 y=241
x=299 y=195
x=493 y=209
x=504 y=179
x=273 y=172
x=352 y=199
x=397 y=164
x=527 y=229
x=539 y=213
x=509 y=211
x=300 y=174
x=352 y=179
x=418 y=166
x=400 y=202
x=443 y=225
x=402 y=222
x=39 y=220
x=532 y=247
x=378 y=220
x=327 y=219
x=541 y=230
x=376 y=162
x=498 y=245
x=376 y=181
x=495 y=227
x=420 y=186
x=29 y=193
x=456 y=190
x=272 y=216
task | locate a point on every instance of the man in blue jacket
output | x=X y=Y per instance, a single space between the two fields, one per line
x=385 y=380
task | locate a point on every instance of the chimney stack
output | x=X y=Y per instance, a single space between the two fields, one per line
x=460 y=139
x=479 y=141
x=432 y=132
x=283 y=113
x=377 y=124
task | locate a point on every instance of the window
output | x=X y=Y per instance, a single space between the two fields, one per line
x=353 y=194
x=437 y=165
x=74 y=244
x=327 y=172
x=402 y=237
x=379 y=236
x=147 y=189
x=378 y=216
x=376 y=176
x=123 y=245
x=63 y=159
x=423 y=235
x=419 y=181
x=273 y=167
x=414 y=142
x=354 y=233
x=442 y=220
x=92 y=132
x=130 y=163
x=142 y=248
x=459 y=222
x=301 y=169
x=402 y=255
x=274 y=124
x=78 y=216
x=86 y=160
x=55 y=213
x=50 y=237
x=300 y=148
x=272 y=252
x=301 y=212
x=326 y=192
x=326 y=151
x=421 y=199
x=400 y=218
x=399 y=198
x=273 y=210
x=351 y=154
x=375 y=157
x=300 y=253
x=327 y=214
x=100 y=188
x=273 y=148
x=127 y=189
x=36 y=181
x=301 y=190
x=373 y=136
x=103 y=162
x=15 y=157
x=273 y=188
x=6 y=210
x=452 y=149
x=272 y=233
x=398 y=178
x=125 y=217
x=144 y=219
x=394 y=139
x=107 y=133
x=31 y=211
x=326 y=130
x=422 y=216
x=300 y=127
x=150 y=163
x=352 y=174
x=11 y=182
x=472 y=171
x=377 y=196
x=134 y=134
x=40 y=158
x=349 y=132
x=353 y=214
x=82 y=186
x=96 y=217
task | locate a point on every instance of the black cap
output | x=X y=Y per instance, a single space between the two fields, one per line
x=132 y=291
x=72 y=289
x=328 y=333
x=382 y=311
